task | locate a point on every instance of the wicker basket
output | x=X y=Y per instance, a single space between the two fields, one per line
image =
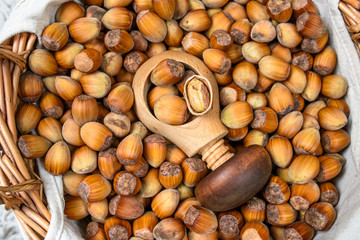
x=350 y=12
x=21 y=188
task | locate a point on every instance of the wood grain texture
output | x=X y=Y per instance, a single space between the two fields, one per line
x=235 y=181
x=192 y=136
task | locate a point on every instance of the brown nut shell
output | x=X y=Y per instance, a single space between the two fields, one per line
x=94 y=188
x=169 y=228
x=171 y=109
x=255 y=230
x=320 y=216
x=151 y=26
x=84 y=29
x=200 y=220
x=75 y=208
x=55 y=36
x=231 y=117
x=126 y=183
x=280 y=215
x=57 y=159
x=165 y=203
x=96 y=136
x=126 y=207
x=116 y=228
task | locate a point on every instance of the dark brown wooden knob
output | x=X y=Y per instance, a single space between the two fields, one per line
x=236 y=181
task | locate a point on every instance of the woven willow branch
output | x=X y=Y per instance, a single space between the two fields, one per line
x=20 y=187
x=351 y=15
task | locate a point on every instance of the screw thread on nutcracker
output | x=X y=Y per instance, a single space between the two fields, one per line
x=215 y=154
